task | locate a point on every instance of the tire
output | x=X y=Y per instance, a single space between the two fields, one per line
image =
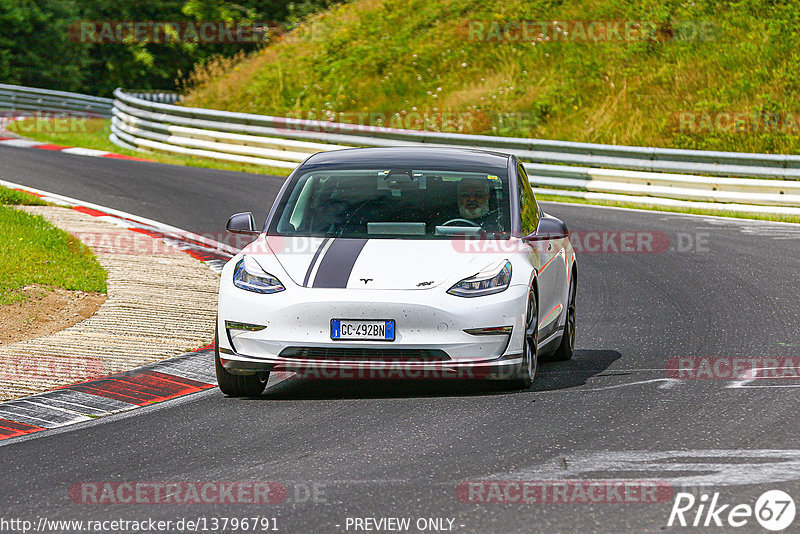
x=530 y=347
x=237 y=385
x=566 y=349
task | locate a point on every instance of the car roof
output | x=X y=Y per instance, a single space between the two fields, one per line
x=417 y=157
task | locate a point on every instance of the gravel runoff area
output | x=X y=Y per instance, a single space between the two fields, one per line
x=161 y=303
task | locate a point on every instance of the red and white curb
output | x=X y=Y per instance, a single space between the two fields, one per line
x=183 y=375
x=77 y=151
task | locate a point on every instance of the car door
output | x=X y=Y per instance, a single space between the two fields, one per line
x=546 y=255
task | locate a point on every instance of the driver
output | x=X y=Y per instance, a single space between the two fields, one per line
x=473 y=203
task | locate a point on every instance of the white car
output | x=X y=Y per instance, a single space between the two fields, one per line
x=415 y=262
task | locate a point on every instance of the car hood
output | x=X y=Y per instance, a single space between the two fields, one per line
x=373 y=264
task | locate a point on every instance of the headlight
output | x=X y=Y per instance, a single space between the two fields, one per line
x=249 y=276
x=491 y=280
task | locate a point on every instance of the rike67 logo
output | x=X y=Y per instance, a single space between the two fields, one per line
x=774 y=510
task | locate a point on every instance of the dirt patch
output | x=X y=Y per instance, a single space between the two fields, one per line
x=44 y=311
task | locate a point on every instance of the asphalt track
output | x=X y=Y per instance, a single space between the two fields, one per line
x=372 y=449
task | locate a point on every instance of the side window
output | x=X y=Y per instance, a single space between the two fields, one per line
x=528 y=208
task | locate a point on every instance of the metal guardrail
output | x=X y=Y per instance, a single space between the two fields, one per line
x=556 y=152
x=27 y=99
x=165 y=97
x=735 y=181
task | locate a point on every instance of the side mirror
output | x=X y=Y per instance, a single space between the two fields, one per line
x=242 y=223
x=548 y=228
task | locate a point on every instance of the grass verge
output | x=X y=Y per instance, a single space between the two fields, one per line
x=695 y=75
x=35 y=252
x=14 y=197
x=93 y=133
x=670 y=209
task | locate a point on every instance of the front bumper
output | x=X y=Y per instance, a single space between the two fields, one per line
x=425 y=321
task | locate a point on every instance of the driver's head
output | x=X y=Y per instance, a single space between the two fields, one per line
x=473 y=198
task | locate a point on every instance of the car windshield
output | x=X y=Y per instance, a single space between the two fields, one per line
x=395 y=203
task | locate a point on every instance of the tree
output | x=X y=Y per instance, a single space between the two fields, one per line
x=35 y=48
x=43 y=43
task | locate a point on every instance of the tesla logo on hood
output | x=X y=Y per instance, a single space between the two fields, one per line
x=366 y=280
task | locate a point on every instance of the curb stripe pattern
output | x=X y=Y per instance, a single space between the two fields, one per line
x=12 y=429
x=188 y=373
x=142 y=388
x=27 y=143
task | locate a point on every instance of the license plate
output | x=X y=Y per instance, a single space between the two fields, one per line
x=382 y=330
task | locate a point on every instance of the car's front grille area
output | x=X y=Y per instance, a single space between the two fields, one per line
x=366 y=354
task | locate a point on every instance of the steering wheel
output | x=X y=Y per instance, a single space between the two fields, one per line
x=471 y=223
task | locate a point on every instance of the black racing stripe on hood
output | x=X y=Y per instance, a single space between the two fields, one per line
x=337 y=263
x=314 y=261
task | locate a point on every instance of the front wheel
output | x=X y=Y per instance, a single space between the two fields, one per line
x=566 y=349
x=530 y=346
x=237 y=385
